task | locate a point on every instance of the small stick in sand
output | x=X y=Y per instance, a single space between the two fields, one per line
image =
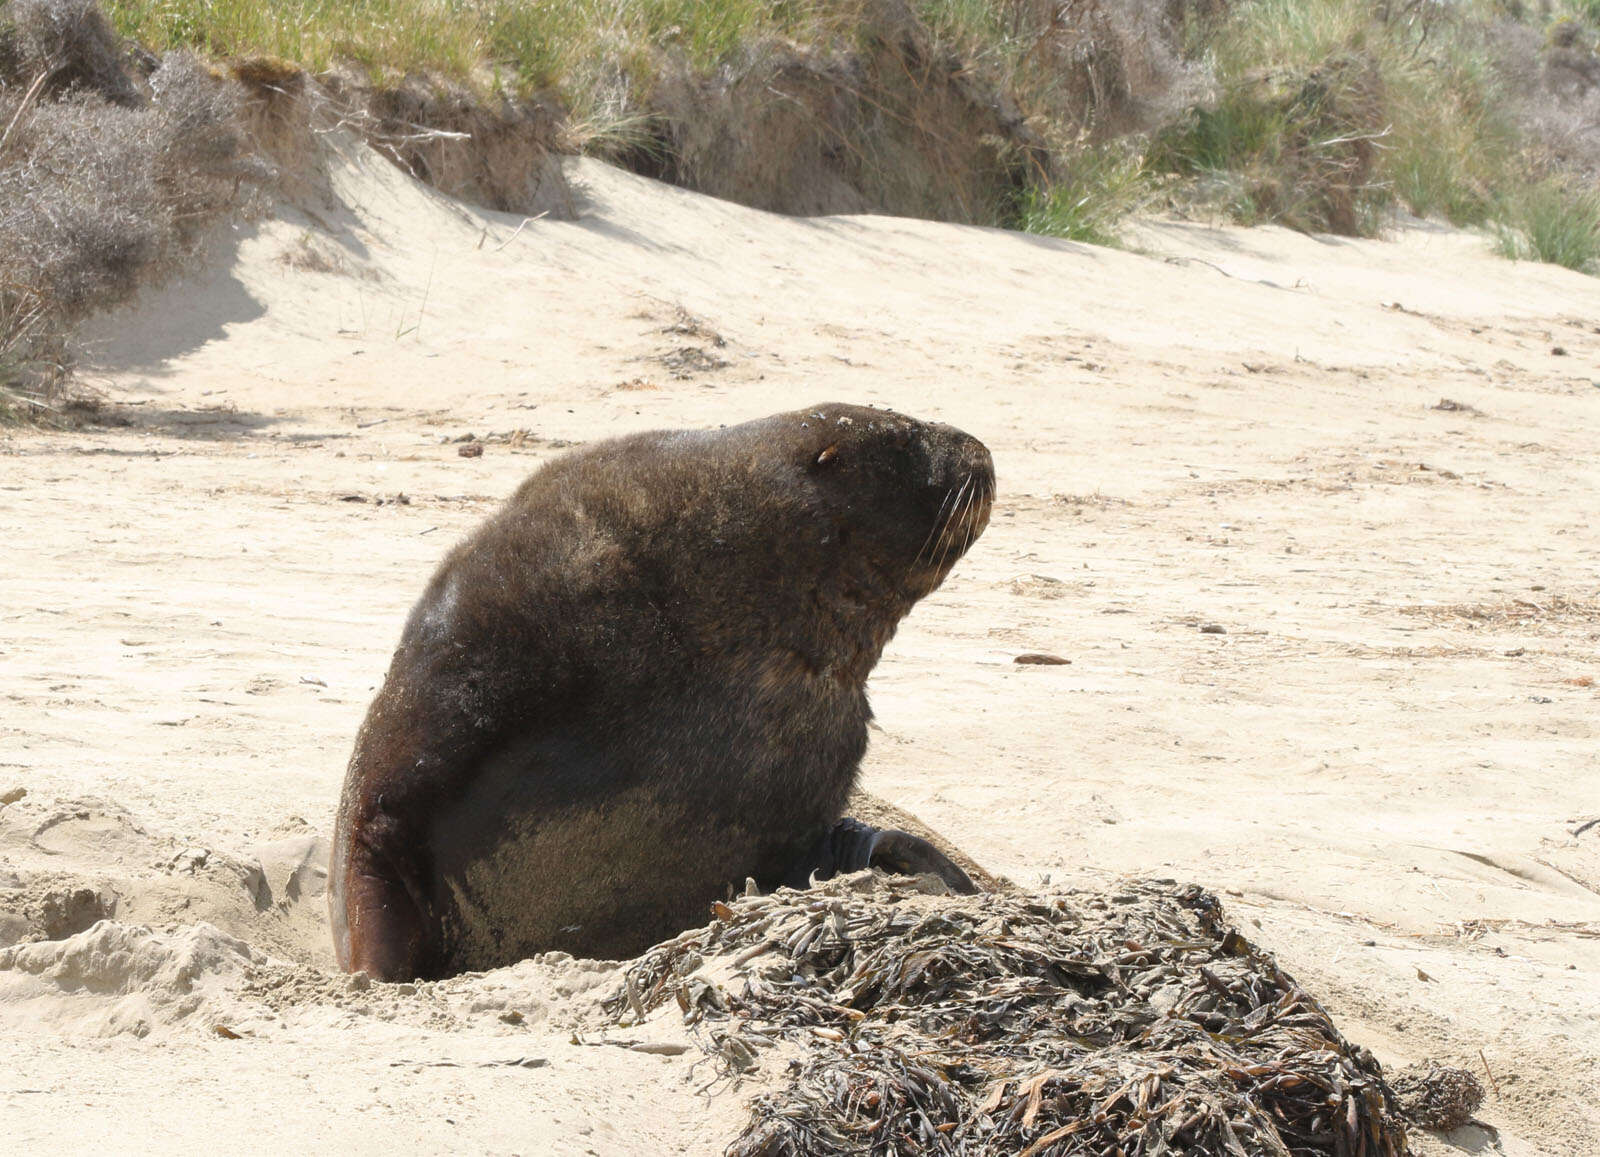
x=519 y=229
x=1493 y=1084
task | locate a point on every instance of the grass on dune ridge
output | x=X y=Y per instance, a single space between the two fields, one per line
x=522 y=46
x=1321 y=114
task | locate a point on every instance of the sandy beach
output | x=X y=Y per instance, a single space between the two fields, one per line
x=1313 y=519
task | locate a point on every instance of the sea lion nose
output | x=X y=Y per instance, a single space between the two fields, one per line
x=961 y=456
x=976 y=460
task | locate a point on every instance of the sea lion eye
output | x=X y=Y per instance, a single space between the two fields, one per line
x=828 y=455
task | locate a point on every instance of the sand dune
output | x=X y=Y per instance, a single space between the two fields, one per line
x=1369 y=463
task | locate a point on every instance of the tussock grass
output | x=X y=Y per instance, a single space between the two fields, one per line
x=1328 y=112
x=1555 y=221
x=1100 y=187
x=387 y=36
x=1320 y=114
x=597 y=59
x=1451 y=140
x=1324 y=115
x=595 y=54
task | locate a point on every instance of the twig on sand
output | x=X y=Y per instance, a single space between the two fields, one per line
x=519 y=228
x=1493 y=1084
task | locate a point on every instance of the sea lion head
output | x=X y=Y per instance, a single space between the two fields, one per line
x=906 y=498
x=797 y=541
x=820 y=528
x=809 y=533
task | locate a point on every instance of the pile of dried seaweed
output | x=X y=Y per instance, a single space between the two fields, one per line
x=1133 y=1023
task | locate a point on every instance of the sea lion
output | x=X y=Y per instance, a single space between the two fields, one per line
x=640 y=681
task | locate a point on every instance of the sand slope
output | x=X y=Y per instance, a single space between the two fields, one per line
x=1381 y=760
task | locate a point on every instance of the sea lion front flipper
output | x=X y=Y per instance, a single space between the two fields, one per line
x=851 y=845
x=845 y=847
x=909 y=855
x=376 y=906
x=383 y=933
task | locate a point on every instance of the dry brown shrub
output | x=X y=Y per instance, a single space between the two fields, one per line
x=895 y=125
x=1331 y=154
x=72 y=45
x=1105 y=68
x=1552 y=89
x=105 y=184
x=496 y=152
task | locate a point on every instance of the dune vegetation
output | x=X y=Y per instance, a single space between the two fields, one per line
x=1322 y=114
x=122 y=138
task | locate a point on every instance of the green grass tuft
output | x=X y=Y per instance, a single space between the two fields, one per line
x=387 y=37
x=1104 y=186
x=539 y=45
x=1555 y=221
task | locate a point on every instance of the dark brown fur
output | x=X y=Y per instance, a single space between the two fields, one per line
x=641 y=680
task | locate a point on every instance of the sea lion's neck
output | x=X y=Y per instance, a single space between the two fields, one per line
x=857 y=611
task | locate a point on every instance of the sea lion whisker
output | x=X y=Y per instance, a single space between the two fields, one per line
x=932 y=530
x=941 y=521
x=985 y=499
x=966 y=518
x=938 y=521
x=949 y=537
x=980 y=502
x=943 y=544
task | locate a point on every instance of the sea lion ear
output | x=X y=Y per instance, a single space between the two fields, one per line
x=828 y=455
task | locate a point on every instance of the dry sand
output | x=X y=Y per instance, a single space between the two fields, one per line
x=1380 y=762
